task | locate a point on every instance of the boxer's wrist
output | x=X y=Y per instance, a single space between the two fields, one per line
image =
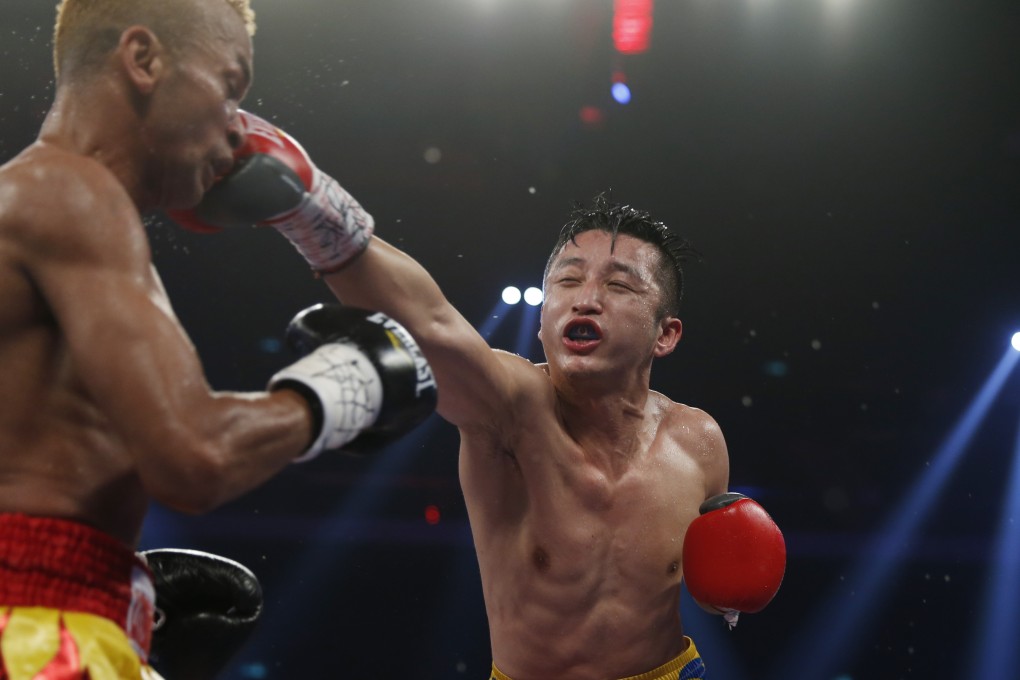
x=329 y=227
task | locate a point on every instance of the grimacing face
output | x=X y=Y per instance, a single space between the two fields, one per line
x=196 y=123
x=601 y=306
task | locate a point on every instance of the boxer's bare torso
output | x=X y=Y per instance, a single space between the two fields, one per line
x=579 y=480
x=59 y=454
x=579 y=536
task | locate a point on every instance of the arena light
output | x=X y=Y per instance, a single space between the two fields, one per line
x=621 y=93
x=993 y=646
x=632 y=25
x=1016 y=341
x=533 y=296
x=823 y=644
x=511 y=295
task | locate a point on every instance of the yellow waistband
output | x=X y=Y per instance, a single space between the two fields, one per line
x=663 y=672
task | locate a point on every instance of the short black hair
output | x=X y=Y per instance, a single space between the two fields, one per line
x=615 y=219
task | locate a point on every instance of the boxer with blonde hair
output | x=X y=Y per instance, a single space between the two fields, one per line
x=106 y=406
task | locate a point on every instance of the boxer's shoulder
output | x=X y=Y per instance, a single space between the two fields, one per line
x=65 y=179
x=50 y=197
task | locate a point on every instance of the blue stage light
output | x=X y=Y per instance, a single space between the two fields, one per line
x=827 y=639
x=621 y=93
x=533 y=296
x=993 y=646
x=255 y=670
x=1016 y=341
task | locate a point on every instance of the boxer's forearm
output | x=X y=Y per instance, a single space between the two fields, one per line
x=386 y=279
x=470 y=378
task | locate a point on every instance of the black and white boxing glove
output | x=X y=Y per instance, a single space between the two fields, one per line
x=275 y=183
x=363 y=374
x=206 y=608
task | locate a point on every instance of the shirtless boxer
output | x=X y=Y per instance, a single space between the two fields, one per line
x=582 y=484
x=580 y=481
x=105 y=405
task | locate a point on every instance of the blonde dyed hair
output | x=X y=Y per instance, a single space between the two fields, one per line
x=87 y=30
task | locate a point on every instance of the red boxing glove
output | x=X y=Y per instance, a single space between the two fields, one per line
x=734 y=556
x=274 y=182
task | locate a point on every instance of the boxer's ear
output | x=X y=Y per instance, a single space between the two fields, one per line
x=141 y=56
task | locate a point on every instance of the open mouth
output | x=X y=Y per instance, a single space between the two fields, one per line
x=582 y=334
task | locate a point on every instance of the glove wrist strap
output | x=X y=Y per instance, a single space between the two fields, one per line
x=329 y=227
x=346 y=386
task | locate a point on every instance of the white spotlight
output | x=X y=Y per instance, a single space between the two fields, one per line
x=511 y=295
x=533 y=296
x=1016 y=341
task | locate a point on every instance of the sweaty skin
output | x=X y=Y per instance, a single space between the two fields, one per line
x=105 y=405
x=579 y=480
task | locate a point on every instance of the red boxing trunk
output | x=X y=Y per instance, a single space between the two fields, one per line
x=74 y=603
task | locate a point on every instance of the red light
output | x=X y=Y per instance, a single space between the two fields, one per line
x=591 y=115
x=432 y=514
x=632 y=25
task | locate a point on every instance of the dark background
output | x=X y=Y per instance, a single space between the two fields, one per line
x=849 y=170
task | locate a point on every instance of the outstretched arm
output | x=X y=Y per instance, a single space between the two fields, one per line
x=473 y=382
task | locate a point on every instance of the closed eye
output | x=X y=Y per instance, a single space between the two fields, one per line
x=234 y=91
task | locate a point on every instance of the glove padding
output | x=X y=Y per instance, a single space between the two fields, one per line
x=364 y=376
x=734 y=556
x=274 y=182
x=206 y=608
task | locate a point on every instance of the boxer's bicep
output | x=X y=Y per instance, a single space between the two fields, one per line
x=478 y=386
